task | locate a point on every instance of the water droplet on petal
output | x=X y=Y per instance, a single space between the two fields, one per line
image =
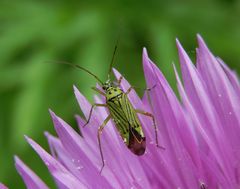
x=230 y=113
x=151 y=142
x=219 y=95
x=202 y=186
x=79 y=167
x=73 y=160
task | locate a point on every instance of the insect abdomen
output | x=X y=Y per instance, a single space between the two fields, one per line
x=119 y=118
x=127 y=123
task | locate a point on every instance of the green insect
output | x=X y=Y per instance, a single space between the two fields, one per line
x=121 y=112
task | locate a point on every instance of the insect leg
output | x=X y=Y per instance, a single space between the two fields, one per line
x=133 y=87
x=154 y=125
x=129 y=90
x=119 y=80
x=99 y=140
x=91 y=110
x=98 y=91
x=148 y=96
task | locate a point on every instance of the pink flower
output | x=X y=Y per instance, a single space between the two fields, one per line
x=2 y=186
x=201 y=134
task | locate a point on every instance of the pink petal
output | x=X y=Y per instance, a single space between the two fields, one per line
x=31 y=180
x=2 y=186
x=61 y=175
x=79 y=150
x=164 y=100
x=207 y=115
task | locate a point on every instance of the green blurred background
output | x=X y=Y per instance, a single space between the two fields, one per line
x=32 y=32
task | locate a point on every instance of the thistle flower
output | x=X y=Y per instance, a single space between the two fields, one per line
x=201 y=134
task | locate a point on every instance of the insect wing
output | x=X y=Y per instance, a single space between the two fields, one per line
x=137 y=143
x=131 y=115
x=127 y=123
x=119 y=118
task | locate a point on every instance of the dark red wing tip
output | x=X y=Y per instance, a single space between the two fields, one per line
x=139 y=151
x=138 y=148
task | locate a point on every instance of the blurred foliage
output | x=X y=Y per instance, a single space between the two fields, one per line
x=33 y=32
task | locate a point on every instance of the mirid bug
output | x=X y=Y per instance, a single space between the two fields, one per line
x=121 y=112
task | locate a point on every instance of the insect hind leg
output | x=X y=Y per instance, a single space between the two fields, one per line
x=154 y=125
x=100 y=129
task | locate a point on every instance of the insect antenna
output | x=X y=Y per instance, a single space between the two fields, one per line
x=112 y=61
x=79 y=67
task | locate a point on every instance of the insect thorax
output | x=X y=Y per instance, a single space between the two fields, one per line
x=113 y=92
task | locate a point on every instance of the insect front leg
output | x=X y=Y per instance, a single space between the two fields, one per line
x=91 y=110
x=129 y=90
x=98 y=91
x=99 y=139
x=120 y=80
x=133 y=87
x=154 y=125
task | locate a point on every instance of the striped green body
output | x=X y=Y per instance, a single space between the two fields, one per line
x=125 y=119
x=121 y=112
